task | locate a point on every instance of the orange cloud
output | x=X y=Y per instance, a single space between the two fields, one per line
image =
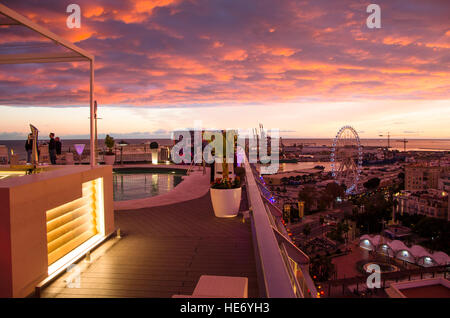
x=398 y=40
x=93 y=11
x=235 y=55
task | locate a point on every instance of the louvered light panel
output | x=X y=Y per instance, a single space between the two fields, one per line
x=72 y=224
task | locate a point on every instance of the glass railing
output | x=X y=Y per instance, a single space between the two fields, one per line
x=282 y=275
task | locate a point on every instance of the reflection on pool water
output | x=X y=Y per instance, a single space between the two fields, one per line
x=138 y=183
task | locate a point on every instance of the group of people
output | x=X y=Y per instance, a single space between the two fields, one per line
x=54 y=147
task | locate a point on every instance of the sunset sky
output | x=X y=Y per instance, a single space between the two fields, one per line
x=305 y=67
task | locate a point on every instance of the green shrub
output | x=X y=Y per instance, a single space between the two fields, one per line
x=109 y=142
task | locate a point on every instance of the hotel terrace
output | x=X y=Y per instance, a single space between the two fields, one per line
x=63 y=234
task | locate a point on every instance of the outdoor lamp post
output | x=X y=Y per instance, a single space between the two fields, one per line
x=122 y=144
x=301 y=209
x=35 y=149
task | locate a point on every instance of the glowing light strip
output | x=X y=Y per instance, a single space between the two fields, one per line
x=100 y=205
x=96 y=190
x=71 y=257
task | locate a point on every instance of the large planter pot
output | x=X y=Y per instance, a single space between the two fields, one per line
x=109 y=159
x=226 y=202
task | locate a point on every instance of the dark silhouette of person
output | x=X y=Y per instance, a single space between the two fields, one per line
x=29 y=147
x=58 y=145
x=52 y=148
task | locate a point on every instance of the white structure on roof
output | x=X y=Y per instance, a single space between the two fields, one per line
x=397 y=249
x=10 y=18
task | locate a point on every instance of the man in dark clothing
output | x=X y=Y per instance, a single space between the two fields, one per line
x=58 y=145
x=29 y=147
x=52 y=149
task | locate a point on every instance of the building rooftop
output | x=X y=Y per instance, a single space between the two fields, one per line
x=431 y=291
x=423 y=288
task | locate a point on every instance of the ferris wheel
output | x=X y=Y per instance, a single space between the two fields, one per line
x=346 y=158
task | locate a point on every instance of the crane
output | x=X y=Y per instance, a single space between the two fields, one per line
x=404 y=141
x=389 y=139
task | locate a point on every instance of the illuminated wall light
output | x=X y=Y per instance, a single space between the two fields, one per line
x=100 y=206
x=155 y=156
x=74 y=227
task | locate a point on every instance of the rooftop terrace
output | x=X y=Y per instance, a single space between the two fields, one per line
x=164 y=251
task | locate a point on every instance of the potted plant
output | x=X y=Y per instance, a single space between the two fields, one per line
x=154 y=149
x=225 y=192
x=109 y=156
x=226 y=197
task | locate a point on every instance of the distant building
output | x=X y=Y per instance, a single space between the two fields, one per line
x=297 y=175
x=431 y=203
x=444 y=183
x=421 y=177
x=397 y=232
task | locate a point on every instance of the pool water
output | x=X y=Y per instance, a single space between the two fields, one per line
x=133 y=183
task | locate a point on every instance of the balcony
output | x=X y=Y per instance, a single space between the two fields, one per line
x=164 y=250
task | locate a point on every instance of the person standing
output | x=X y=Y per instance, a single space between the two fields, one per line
x=52 y=148
x=29 y=147
x=58 y=146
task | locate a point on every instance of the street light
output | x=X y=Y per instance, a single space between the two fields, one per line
x=122 y=144
x=95 y=130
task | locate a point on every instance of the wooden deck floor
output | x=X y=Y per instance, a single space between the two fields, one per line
x=164 y=251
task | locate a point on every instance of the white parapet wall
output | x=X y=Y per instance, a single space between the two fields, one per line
x=49 y=217
x=395 y=289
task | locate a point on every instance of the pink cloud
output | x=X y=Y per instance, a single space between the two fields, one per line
x=172 y=53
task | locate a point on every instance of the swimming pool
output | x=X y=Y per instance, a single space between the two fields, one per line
x=139 y=183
